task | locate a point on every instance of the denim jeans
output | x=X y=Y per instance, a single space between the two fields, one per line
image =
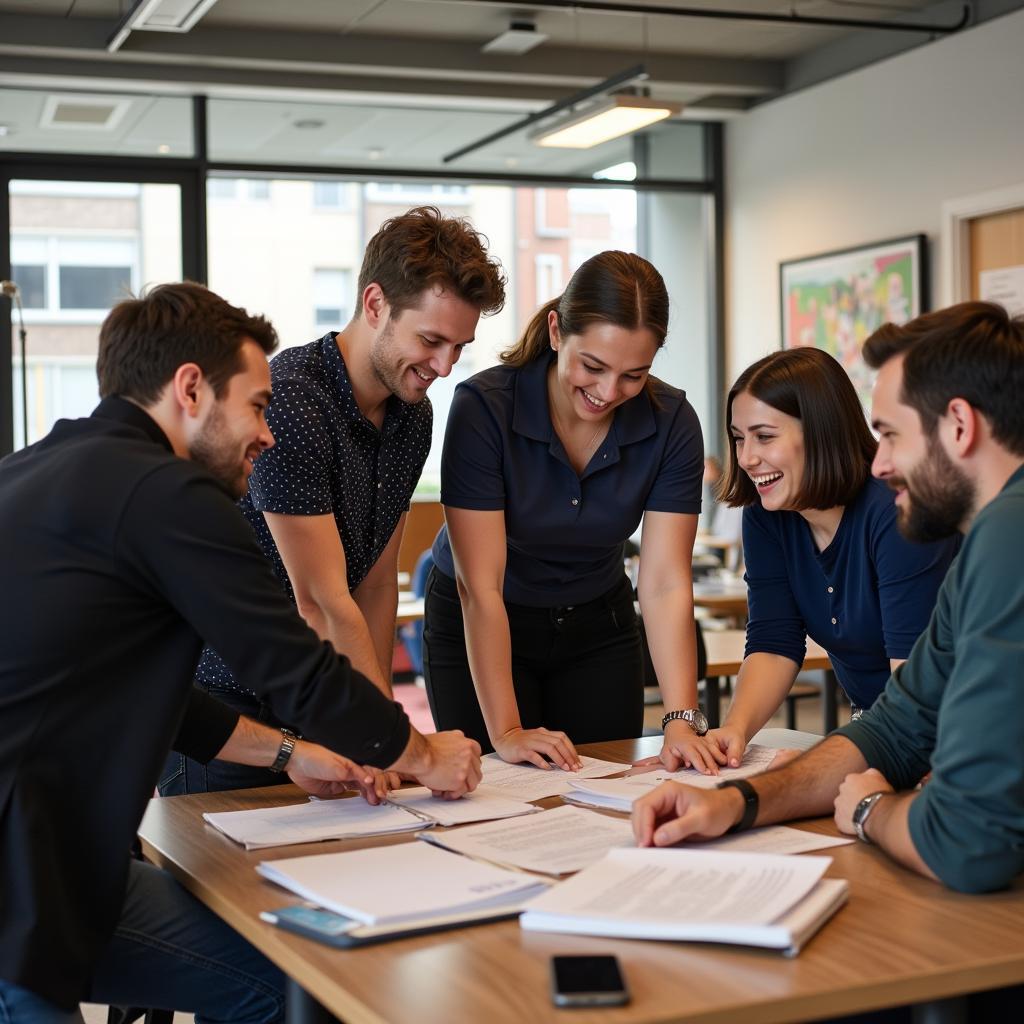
x=168 y=952
x=182 y=775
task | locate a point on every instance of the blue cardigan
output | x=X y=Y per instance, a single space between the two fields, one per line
x=865 y=598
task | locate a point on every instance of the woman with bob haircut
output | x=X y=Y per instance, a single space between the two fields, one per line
x=531 y=641
x=824 y=556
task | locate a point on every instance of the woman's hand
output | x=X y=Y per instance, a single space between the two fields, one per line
x=731 y=741
x=542 y=747
x=683 y=748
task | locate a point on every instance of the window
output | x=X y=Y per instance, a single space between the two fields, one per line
x=72 y=278
x=548 y=269
x=413 y=191
x=333 y=195
x=32 y=282
x=331 y=297
x=251 y=189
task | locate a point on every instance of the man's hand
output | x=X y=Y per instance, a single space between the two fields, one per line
x=683 y=748
x=542 y=747
x=446 y=762
x=731 y=741
x=853 y=789
x=323 y=773
x=674 y=812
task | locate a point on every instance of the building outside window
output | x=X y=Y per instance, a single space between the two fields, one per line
x=332 y=297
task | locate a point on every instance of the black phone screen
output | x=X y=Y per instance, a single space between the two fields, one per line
x=576 y=975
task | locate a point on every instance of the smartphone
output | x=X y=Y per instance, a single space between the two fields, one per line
x=587 y=981
x=312 y=922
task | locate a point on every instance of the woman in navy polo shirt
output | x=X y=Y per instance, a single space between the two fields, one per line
x=549 y=462
x=824 y=556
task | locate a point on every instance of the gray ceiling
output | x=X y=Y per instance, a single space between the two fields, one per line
x=408 y=61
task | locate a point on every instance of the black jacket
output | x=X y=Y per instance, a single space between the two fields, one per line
x=117 y=561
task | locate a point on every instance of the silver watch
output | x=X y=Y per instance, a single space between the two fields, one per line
x=693 y=717
x=861 y=812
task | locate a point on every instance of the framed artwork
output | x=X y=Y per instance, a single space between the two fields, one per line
x=834 y=300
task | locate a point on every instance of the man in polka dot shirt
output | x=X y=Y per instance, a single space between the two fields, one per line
x=352 y=426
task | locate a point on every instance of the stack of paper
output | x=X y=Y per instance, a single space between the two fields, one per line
x=401 y=888
x=687 y=894
x=554 y=842
x=528 y=782
x=312 y=822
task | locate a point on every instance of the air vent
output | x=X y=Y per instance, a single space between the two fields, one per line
x=83 y=113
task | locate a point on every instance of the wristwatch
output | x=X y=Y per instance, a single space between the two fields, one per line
x=751 y=802
x=693 y=717
x=284 y=752
x=861 y=812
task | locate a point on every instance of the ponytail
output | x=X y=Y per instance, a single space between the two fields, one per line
x=536 y=338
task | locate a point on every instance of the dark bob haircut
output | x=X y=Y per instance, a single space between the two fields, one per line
x=810 y=386
x=973 y=351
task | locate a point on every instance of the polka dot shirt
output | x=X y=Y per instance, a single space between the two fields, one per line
x=329 y=458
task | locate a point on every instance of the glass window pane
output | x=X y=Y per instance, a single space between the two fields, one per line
x=32 y=282
x=299 y=267
x=94 y=287
x=76 y=248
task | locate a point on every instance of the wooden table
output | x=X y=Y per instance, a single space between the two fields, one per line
x=900 y=939
x=728 y=601
x=725 y=655
x=410 y=610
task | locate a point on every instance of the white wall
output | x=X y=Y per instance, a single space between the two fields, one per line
x=869 y=156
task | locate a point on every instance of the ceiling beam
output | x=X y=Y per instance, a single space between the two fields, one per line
x=236 y=52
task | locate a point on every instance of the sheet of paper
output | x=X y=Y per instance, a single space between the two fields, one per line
x=662 y=886
x=786 y=739
x=756 y=758
x=774 y=839
x=528 y=782
x=618 y=794
x=405 y=882
x=312 y=822
x=483 y=804
x=554 y=842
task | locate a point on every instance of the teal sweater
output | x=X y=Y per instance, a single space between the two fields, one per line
x=957 y=706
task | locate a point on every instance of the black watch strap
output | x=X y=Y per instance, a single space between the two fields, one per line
x=750 y=803
x=284 y=752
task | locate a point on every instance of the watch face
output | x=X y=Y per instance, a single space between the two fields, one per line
x=700 y=722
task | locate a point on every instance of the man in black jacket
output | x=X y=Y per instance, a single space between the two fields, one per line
x=122 y=552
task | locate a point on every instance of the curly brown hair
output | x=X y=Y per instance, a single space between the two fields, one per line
x=423 y=249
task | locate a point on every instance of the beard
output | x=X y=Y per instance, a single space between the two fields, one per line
x=387 y=370
x=941 y=497
x=216 y=451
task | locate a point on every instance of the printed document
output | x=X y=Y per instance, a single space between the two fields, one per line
x=313 y=822
x=554 y=842
x=528 y=782
x=483 y=804
x=408 y=883
x=753 y=899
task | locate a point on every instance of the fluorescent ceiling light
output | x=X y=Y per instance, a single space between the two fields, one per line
x=618 y=115
x=170 y=15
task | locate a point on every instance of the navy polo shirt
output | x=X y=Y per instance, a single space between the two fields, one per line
x=565 y=531
x=866 y=598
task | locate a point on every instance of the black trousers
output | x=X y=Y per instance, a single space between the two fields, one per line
x=578 y=669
